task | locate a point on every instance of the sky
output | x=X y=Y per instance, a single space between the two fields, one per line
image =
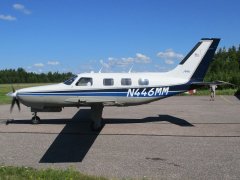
x=110 y=35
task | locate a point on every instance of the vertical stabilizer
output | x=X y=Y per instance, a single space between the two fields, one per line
x=195 y=65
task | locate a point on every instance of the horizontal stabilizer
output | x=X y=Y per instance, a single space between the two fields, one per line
x=212 y=83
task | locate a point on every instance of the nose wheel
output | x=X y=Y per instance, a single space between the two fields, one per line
x=35 y=118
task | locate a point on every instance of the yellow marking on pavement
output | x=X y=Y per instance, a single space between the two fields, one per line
x=226 y=100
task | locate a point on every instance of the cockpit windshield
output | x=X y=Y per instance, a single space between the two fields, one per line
x=70 y=80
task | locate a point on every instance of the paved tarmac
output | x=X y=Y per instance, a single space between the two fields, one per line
x=181 y=137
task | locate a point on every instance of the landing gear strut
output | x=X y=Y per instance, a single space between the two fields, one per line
x=35 y=118
x=96 y=117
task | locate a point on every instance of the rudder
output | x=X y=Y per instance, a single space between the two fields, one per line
x=195 y=64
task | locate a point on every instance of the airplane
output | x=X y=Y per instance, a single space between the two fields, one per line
x=97 y=90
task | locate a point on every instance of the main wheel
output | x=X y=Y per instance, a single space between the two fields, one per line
x=35 y=120
x=97 y=126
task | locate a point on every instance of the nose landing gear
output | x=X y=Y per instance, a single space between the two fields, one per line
x=35 y=118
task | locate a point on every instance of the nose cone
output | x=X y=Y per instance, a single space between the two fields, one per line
x=12 y=94
x=34 y=95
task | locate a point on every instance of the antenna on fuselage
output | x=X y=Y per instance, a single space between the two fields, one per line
x=100 y=71
x=130 y=70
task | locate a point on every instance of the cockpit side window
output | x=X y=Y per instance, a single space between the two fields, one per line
x=71 y=80
x=85 y=81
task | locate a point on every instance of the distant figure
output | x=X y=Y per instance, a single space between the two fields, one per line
x=213 y=88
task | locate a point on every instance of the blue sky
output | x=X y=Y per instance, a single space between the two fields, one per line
x=115 y=35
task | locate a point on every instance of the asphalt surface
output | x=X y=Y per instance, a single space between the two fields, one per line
x=180 y=137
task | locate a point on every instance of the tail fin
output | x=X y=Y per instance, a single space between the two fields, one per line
x=195 y=65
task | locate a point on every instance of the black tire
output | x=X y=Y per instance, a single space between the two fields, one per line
x=97 y=129
x=35 y=120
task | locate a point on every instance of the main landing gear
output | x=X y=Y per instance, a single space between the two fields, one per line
x=35 y=118
x=96 y=117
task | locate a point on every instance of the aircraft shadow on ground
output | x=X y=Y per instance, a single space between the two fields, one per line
x=79 y=119
x=161 y=118
x=237 y=96
x=73 y=142
x=44 y=121
x=76 y=138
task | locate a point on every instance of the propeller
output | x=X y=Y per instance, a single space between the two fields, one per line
x=13 y=94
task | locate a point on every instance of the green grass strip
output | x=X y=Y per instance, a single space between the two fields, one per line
x=27 y=173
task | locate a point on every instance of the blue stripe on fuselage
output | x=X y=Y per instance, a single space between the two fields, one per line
x=173 y=90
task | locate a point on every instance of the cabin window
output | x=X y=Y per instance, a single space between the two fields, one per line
x=126 y=81
x=108 y=82
x=143 y=82
x=71 y=80
x=85 y=81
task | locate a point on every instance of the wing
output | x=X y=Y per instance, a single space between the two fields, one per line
x=90 y=100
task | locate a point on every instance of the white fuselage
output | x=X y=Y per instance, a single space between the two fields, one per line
x=106 y=88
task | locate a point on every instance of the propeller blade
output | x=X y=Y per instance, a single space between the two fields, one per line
x=13 y=89
x=12 y=105
x=14 y=100
x=18 y=104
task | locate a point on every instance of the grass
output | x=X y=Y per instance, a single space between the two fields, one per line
x=27 y=173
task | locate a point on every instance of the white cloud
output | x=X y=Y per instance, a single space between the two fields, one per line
x=119 y=62
x=53 y=63
x=125 y=61
x=7 y=17
x=169 y=61
x=39 y=65
x=21 y=8
x=142 y=58
x=105 y=65
x=169 y=56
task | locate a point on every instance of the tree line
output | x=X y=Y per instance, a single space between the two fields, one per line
x=21 y=76
x=225 y=67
